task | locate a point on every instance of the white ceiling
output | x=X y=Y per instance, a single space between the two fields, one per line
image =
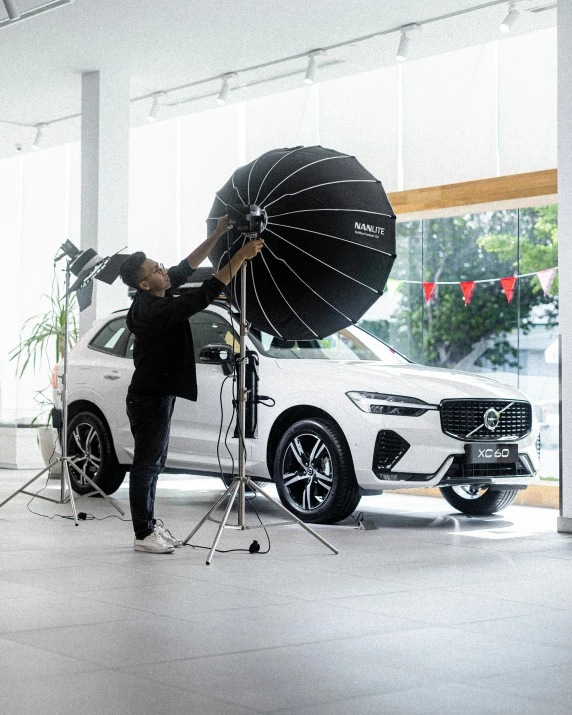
x=167 y=43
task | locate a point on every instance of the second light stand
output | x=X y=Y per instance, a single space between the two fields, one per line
x=64 y=460
x=237 y=488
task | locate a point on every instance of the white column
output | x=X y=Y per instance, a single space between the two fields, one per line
x=104 y=180
x=564 y=253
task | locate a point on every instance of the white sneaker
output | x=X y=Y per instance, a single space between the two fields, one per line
x=153 y=544
x=165 y=535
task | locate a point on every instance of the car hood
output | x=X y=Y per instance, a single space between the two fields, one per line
x=430 y=384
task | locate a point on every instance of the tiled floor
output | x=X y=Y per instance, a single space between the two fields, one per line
x=429 y=613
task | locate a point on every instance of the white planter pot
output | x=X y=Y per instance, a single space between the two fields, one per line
x=50 y=449
x=19 y=448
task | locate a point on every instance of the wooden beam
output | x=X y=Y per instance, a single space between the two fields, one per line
x=470 y=193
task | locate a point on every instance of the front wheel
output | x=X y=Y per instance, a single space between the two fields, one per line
x=314 y=474
x=90 y=448
x=478 y=500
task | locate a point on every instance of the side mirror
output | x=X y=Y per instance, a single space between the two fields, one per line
x=218 y=355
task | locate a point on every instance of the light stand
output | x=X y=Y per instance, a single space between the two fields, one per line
x=64 y=460
x=238 y=486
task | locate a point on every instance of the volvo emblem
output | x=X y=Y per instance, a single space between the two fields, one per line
x=491 y=419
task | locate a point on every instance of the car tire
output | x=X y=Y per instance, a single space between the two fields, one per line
x=91 y=446
x=478 y=501
x=314 y=474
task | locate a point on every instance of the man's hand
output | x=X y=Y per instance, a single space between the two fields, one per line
x=221 y=226
x=248 y=251
x=251 y=249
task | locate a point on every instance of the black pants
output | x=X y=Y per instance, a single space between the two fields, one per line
x=150 y=419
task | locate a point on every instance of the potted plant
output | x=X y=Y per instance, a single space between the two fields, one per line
x=42 y=338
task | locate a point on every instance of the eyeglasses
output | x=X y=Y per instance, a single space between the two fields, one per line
x=159 y=267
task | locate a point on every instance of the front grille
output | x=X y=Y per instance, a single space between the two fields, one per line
x=464 y=419
x=389 y=448
x=461 y=471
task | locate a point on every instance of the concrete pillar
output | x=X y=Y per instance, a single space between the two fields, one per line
x=564 y=254
x=104 y=180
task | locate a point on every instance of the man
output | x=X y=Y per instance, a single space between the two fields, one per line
x=164 y=368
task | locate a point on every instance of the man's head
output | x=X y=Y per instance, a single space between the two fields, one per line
x=144 y=273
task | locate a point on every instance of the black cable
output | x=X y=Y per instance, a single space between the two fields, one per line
x=250 y=501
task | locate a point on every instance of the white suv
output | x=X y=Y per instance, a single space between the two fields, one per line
x=342 y=417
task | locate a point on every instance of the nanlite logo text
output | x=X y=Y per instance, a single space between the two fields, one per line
x=368 y=228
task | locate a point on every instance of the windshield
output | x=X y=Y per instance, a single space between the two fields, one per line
x=349 y=344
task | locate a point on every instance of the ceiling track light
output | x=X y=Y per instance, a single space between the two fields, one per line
x=224 y=93
x=517 y=6
x=40 y=128
x=11 y=9
x=404 y=41
x=152 y=117
x=510 y=19
x=14 y=15
x=310 y=77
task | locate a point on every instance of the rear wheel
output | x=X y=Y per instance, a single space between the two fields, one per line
x=91 y=449
x=314 y=474
x=478 y=500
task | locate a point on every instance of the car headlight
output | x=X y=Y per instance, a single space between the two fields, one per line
x=381 y=404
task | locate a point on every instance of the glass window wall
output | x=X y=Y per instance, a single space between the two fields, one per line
x=515 y=342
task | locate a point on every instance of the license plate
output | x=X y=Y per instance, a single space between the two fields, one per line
x=491 y=453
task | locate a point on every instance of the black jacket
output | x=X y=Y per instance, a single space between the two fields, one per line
x=163 y=352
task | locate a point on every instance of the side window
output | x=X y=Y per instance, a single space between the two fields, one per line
x=108 y=340
x=130 y=343
x=211 y=329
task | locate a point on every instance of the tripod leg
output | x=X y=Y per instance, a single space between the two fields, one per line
x=21 y=489
x=94 y=485
x=66 y=478
x=235 y=489
x=256 y=488
x=210 y=511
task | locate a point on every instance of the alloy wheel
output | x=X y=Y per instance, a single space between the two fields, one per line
x=84 y=448
x=307 y=471
x=470 y=492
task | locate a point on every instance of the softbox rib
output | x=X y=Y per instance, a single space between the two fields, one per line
x=304 y=211
x=237 y=191
x=308 y=286
x=285 y=299
x=374 y=290
x=317 y=186
x=312 y=163
x=260 y=303
x=298 y=148
x=328 y=235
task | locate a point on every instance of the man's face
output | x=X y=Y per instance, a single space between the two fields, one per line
x=156 y=277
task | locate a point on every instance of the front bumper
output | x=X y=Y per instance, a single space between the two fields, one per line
x=432 y=458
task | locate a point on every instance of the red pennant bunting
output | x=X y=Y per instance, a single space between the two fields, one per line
x=428 y=289
x=508 y=287
x=546 y=279
x=468 y=288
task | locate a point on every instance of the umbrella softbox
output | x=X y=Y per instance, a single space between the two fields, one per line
x=329 y=233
